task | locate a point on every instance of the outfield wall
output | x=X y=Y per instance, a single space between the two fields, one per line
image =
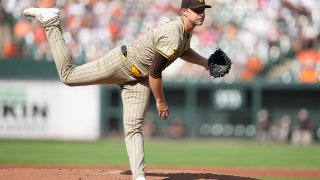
x=224 y=110
x=47 y=109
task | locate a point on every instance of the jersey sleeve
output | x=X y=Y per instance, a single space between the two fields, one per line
x=168 y=42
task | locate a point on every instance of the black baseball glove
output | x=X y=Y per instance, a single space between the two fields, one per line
x=219 y=64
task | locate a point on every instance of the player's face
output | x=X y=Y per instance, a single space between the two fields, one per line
x=196 y=16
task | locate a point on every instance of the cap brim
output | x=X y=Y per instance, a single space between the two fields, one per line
x=199 y=6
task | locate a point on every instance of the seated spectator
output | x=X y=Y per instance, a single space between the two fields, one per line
x=309 y=75
x=5 y=35
x=10 y=50
x=304 y=134
x=252 y=68
x=264 y=121
x=282 y=129
x=308 y=59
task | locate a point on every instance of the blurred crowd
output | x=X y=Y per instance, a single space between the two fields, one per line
x=300 y=129
x=278 y=40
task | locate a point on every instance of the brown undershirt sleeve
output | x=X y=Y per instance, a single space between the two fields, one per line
x=157 y=66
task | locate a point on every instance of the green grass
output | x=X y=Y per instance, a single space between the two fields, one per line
x=264 y=178
x=163 y=152
x=49 y=152
x=233 y=153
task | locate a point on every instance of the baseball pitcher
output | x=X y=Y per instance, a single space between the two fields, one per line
x=136 y=67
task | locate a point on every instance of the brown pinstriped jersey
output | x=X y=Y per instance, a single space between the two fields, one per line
x=169 y=39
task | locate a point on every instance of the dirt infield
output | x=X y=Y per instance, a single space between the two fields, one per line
x=48 y=172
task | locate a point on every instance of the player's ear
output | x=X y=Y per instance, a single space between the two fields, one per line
x=184 y=11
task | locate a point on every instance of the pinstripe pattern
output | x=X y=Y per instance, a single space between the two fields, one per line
x=135 y=98
x=169 y=39
x=110 y=69
x=113 y=68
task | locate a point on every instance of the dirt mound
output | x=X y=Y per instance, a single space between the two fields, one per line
x=46 y=172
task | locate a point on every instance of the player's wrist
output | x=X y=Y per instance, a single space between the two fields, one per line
x=161 y=100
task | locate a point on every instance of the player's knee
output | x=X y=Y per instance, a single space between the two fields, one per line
x=65 y=71
x=134 y=130
x=66 y=82
x=129 y=133
x=133 y=127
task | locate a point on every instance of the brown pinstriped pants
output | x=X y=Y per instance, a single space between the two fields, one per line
x=112 y=68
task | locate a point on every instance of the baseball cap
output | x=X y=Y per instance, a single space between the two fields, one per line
x=194 y=4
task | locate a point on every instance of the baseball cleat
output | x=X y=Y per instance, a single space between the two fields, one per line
x=43 y=15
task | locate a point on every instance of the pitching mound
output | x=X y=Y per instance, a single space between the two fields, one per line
x=31 y=172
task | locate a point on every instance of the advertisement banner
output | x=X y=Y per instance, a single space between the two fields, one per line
x=33 y=109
